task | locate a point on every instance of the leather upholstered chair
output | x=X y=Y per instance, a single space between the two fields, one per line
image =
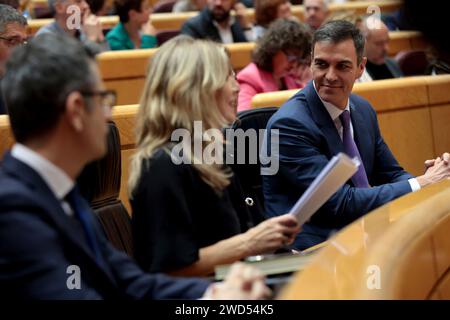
x=100 y=185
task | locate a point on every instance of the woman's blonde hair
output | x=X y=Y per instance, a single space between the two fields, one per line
x=182 y=86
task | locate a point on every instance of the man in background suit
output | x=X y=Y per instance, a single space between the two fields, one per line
x=12 y=33
x=51 y=247
x=379 y=66
x=324 y=119
x=216 y=23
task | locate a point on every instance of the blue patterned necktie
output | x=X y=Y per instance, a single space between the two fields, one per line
x=360 y=177
x=84 y=215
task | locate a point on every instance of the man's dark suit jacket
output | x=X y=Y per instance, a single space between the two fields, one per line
x=308 y=139
x=39 y=241
x=201 y=27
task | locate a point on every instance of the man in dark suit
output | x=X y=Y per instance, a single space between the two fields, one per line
x=51 y=247
x=12 y=33
x=324 y=119
x=379 y=66
x=215 y=23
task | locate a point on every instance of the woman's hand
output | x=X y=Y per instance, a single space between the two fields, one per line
x=271 y=234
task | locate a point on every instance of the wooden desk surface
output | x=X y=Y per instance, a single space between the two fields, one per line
x=335 y=271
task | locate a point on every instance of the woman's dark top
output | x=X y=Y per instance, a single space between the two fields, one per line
x=175 y=213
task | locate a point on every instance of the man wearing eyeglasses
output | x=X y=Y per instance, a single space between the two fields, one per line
x=12 y=33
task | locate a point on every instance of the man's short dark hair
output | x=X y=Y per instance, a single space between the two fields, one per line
x=123 y=7
x=39 y=77
x=337 y=31
x=10 y=15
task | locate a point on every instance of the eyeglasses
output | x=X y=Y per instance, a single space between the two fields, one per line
x=108 y=97
x=14 y=41
x=291 y=58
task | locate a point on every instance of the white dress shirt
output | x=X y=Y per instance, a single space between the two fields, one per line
x=335 y=112
x=227 y=36
x=55 y=178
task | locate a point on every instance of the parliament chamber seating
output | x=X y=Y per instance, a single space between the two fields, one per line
x=164 y=6
x=398 y=251
x=248 y=173
x=413 y=115
x=164 y=21
x=125 y=71
x=99 y=183
x=412 y=62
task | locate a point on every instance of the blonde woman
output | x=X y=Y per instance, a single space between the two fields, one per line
x=185 y=221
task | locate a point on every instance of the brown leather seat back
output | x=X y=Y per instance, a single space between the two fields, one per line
x=100 y=185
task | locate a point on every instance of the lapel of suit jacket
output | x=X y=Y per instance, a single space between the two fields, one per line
x=323 y=120
x=361 y=135
x=54 y=212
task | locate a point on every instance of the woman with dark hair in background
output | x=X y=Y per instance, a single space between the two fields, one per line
x=134 y=29
x=280 y=62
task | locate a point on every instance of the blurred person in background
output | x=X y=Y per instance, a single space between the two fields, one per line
x=267 y=11
x=134 y=29
x=280 y=62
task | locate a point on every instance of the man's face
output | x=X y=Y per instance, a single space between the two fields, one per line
x=315 y=13
x=220 y=9
x=95 y=130
x=335 y=68
x=377 y=44
x=13 y=35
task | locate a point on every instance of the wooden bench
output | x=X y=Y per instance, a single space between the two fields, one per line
x=399 y=251
x=125 y=71
x=165 y=21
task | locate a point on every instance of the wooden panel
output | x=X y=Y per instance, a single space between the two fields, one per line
x=125 y=119
x=438 y=89
x=392 y=94
x=128 y=90
x=123 y=195
x=240 y=54
x=6 y=136
x=415 y=274
x=440 y=118
x=395 y=237
x=408 y=135
x=443 y=289
x=124 y=63
x=399 y=40
x=441 y=244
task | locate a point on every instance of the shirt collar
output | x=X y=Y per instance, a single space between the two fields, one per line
x=57 y=180
x=334 y=111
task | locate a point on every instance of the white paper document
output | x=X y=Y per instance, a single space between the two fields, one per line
x=331 y=178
